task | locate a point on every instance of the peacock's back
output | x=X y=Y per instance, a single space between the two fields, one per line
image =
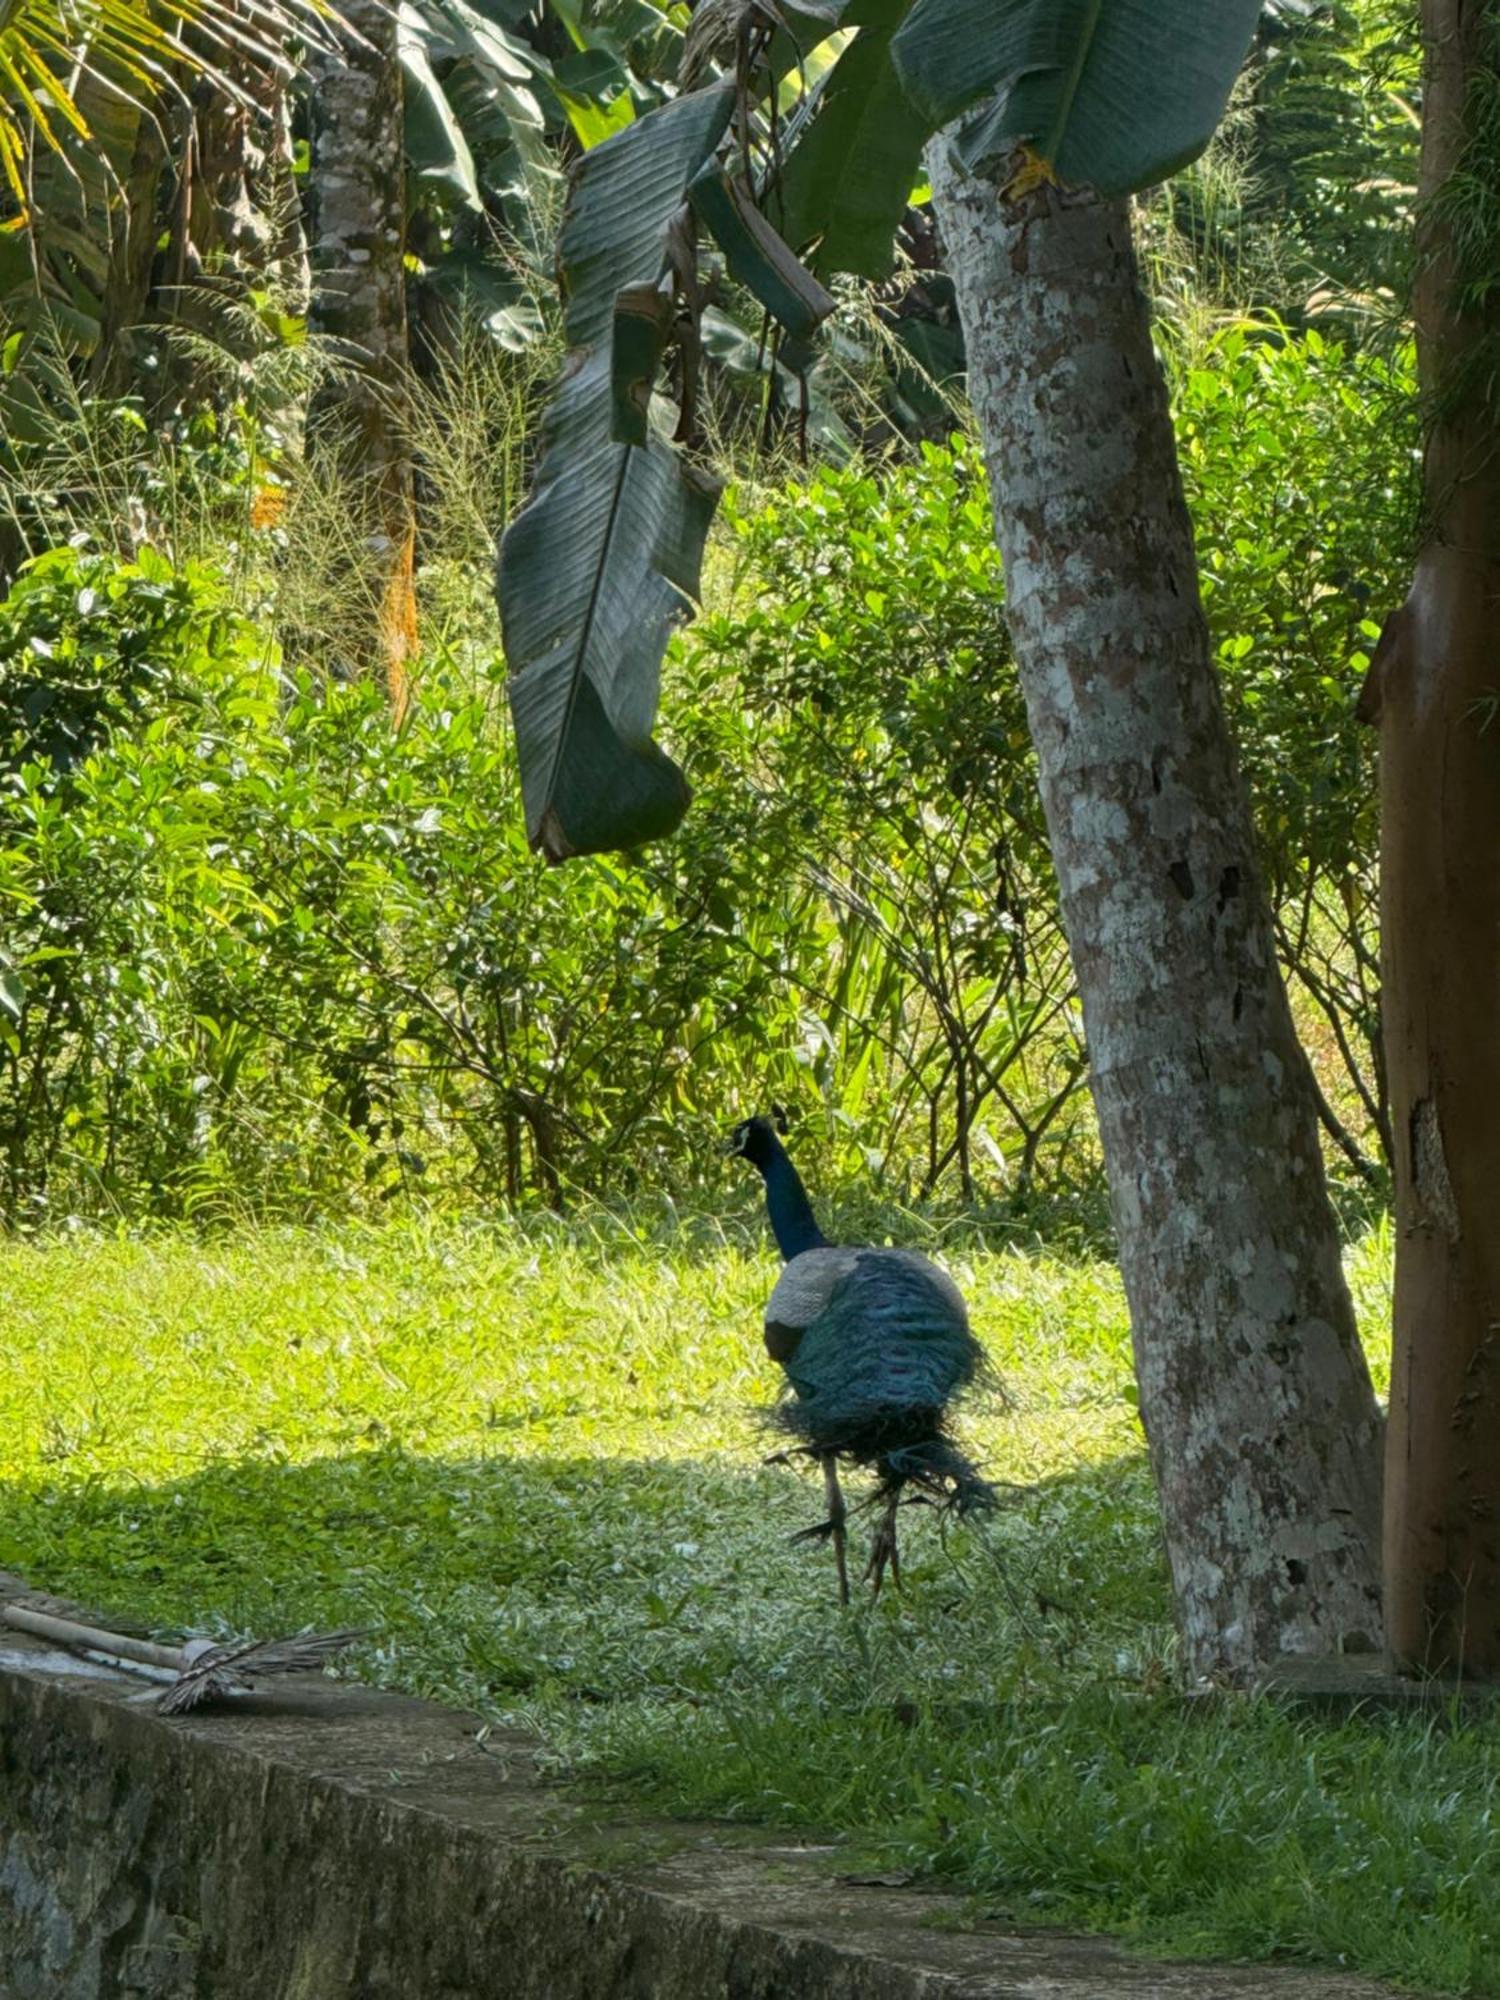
x=875 y=1344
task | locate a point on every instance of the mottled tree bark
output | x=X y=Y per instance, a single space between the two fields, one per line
x=359 y=298
x=1434 y=685
x=1256 y=1401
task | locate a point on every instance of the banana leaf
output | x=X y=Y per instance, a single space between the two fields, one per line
x=1112 y=94
x=851 y=170
x=604 y=559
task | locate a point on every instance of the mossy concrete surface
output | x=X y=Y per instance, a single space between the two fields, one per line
x=327 y=1842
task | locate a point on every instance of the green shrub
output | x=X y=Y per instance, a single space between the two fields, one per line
x=90 y=645
x=859 y=697
x=114 y=677
x=859 y=705
x=263 y=953
x=1300 y=463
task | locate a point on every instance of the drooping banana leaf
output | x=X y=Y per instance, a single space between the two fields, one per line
x=850 y=172
x=756 y=255
x=604 y=558
x=1113 y=94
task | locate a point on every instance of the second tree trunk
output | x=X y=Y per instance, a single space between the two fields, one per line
x=1257 y=1405
x=1434 y=687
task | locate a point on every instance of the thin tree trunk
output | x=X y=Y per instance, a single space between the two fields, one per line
x=1434 y=685
x=359 y=298
x=240 y=216
x=1257 y=1405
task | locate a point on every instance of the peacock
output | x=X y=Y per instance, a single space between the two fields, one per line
x=875 y=1344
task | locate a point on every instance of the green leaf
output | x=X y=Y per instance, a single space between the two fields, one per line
x=508 y=69
x=603 y=561
x=570 y=13
x=486 y=291
x=800 y=27
x=435 y=142
x=593 y=73
x=594 y=123
x=594 y=90
x=851 y=169
x=757 y=256
x=1115 y=94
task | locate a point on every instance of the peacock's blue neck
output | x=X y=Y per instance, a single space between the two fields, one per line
x=790 y=1213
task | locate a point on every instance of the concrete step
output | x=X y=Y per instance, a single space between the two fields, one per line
x=328 y=1842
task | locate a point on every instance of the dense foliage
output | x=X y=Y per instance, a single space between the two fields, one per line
x=261 y=950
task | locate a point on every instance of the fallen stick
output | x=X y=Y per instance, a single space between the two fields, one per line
x=197 y=1672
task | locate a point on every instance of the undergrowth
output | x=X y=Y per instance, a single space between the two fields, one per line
x=529 y=1460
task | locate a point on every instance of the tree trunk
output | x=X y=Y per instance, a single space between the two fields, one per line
x=1256 y=1401
x=238 y=218
x=1434 y=685
x=359 y=298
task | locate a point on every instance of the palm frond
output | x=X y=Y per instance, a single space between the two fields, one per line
x=47 y=47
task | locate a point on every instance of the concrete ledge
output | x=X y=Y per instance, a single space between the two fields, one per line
x=333 y=1843
x=1344 y=1684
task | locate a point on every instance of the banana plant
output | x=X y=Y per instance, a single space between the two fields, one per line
x=495 y=97
x=793 y=148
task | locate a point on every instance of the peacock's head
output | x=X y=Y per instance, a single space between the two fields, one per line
x=755 y=1139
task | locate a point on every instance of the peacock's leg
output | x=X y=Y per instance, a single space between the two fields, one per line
x=836 y=1513
x=831 y=1530
x=883 y=1551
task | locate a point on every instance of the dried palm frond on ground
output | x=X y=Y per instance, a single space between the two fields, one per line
x=196 y=1672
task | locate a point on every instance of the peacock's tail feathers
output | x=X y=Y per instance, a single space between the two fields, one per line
x=939 y=1469
x=906 y=1447
x=864 y=1429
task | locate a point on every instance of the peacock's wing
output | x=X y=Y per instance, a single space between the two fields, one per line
x=865 y=1335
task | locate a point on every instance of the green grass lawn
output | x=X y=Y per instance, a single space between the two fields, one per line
x=528 y=1460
